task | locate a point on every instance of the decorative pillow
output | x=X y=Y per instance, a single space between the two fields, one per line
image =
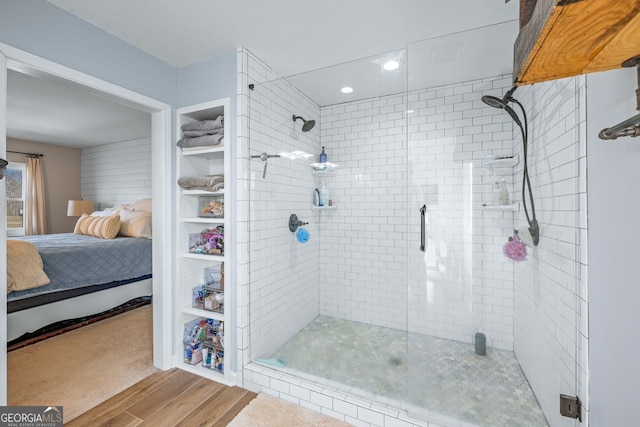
x=135 y=223
x=141 y=205
x=115 y=208
x=104 y=227
x=105 y=212
x=24 y=266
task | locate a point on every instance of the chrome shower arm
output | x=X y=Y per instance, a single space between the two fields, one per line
x=264 y=157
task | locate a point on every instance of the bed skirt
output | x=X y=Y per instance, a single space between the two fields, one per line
x=38 y=300
x=31 y=319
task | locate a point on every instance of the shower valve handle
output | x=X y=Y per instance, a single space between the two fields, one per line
x=294 y=223
x=423 y=211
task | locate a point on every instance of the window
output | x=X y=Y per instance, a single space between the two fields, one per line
x=16 y=191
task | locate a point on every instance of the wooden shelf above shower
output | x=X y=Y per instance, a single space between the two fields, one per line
x=564 y=38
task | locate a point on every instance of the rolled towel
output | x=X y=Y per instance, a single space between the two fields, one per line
x=200 y=141
x=190 y=182
x=205 y=125
x=187 y=149
x=192 y=133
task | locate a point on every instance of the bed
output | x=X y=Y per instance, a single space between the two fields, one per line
x=86 y=274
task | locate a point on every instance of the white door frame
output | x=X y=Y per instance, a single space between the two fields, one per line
x=161 y=152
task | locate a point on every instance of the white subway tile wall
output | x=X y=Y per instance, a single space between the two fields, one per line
x=397 y=153
x=283 y=274
x=551 y=306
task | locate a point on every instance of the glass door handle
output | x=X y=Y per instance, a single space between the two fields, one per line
x=423 y=211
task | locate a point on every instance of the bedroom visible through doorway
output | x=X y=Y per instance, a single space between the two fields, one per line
x=158 y=114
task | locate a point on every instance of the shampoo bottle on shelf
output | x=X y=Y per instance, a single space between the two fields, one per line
x=496 y=193
x=504 y=194
x=323 y=156
x=324 y=195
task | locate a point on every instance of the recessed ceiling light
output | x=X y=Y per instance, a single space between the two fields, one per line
x=346 y=89
x=391 y=65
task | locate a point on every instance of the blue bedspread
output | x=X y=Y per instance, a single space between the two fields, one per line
x=74 y=260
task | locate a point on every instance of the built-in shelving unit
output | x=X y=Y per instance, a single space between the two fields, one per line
x=323 y=208
x=190 y=269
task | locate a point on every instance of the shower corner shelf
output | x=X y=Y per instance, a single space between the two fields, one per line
x=505 y=162
x=514 y=207
x=323 y=208
x=326 y=172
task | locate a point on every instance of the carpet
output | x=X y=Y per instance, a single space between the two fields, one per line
x=267 y=411
x=83 y=367
x=63 y=326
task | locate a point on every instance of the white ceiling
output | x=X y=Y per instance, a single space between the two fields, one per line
x=53 y=111
x=292 y=36
x=320 y=45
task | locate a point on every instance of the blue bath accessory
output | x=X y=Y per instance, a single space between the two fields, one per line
x=302 y=235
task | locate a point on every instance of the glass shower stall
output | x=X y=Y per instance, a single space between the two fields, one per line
x=400 y=293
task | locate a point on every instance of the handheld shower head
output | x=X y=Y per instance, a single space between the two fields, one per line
x=308 y=124
x=495 y=102
x=503 y=104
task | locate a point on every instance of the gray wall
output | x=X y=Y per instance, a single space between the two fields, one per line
x=38 y=27
x=614 y=286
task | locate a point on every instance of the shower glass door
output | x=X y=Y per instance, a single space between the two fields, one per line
x=401 y=292
x=471 y=310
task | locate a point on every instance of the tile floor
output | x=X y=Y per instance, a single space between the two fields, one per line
x=439 y=375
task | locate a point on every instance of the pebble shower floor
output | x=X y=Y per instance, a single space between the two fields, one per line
x=440 y=375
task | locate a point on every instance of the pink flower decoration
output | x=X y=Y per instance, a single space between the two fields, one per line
x=515 y=249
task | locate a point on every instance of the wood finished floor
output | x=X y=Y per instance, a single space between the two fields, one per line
x=169 y=398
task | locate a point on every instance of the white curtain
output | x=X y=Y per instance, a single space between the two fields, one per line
x=34 y=212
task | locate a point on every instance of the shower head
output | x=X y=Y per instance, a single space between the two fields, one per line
x=495 y=102
x=308 y=124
